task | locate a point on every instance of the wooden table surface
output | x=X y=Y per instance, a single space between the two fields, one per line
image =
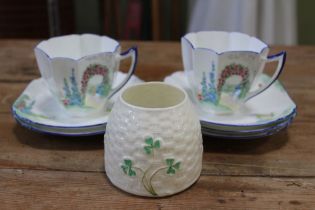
x=40 y=171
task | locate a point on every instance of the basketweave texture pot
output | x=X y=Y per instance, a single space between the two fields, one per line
x=153 y=141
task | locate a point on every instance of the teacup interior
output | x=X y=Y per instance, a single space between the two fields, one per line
x=153 y=95
x=77 y=46
x=220 y=41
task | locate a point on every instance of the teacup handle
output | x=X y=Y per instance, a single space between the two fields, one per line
x=133 y=53
x=280 y=57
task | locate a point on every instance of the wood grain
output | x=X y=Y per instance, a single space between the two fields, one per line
x=279 y=155
x=45 y=171
x=36 y=189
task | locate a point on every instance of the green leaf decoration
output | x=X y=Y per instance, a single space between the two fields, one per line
x=150 y=145
x=127 y=168
x=157 y=144
x=177 y=165
x=128 y=162
x=147 y=149
x=170 y=171
x=132 y=173
x=171 y=166
x=149 y=141
x=169 y=162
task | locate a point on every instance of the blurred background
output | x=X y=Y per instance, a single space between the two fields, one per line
x=286 y=22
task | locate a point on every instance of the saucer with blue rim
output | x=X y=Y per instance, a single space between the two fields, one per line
x=264 y=115
x=37 y=109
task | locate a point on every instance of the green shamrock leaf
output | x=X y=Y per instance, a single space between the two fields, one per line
x=169 y=162
x=149 y=141
x=171 y=166
x=150 y=145
x=176 y=165
x=147 y=149
x=170 y=170
x=157 y=144
x=127 y=168
x=132 y=173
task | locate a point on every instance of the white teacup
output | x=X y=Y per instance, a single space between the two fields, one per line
x=80 y=69
x=221 y=68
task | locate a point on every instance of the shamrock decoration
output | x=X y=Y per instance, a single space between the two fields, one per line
x=127 y=168
x=171 y=166
x=150 y=145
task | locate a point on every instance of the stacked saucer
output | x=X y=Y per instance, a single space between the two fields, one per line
x=264 y=115
x=38 y=110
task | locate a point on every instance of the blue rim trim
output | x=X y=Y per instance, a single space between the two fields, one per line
x=135 y=49
x=81 y=58
x=208 y=49
x=291 y=117
x=14 y=113
x=281 y=69
x=251 y=125
x=28 y=126
x=268 y=132
x=248 y=132
x=262 y=135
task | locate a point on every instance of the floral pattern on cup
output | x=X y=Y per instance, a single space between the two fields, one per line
x=238 y=90
x=75 y=97
x=103 y=88
x=169 y=165
x=210 y=93
x=239 y=60
x=208 y=89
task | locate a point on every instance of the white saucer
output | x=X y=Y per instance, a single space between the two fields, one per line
x=268 y=109
x=38 y=110
x=248 y=134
